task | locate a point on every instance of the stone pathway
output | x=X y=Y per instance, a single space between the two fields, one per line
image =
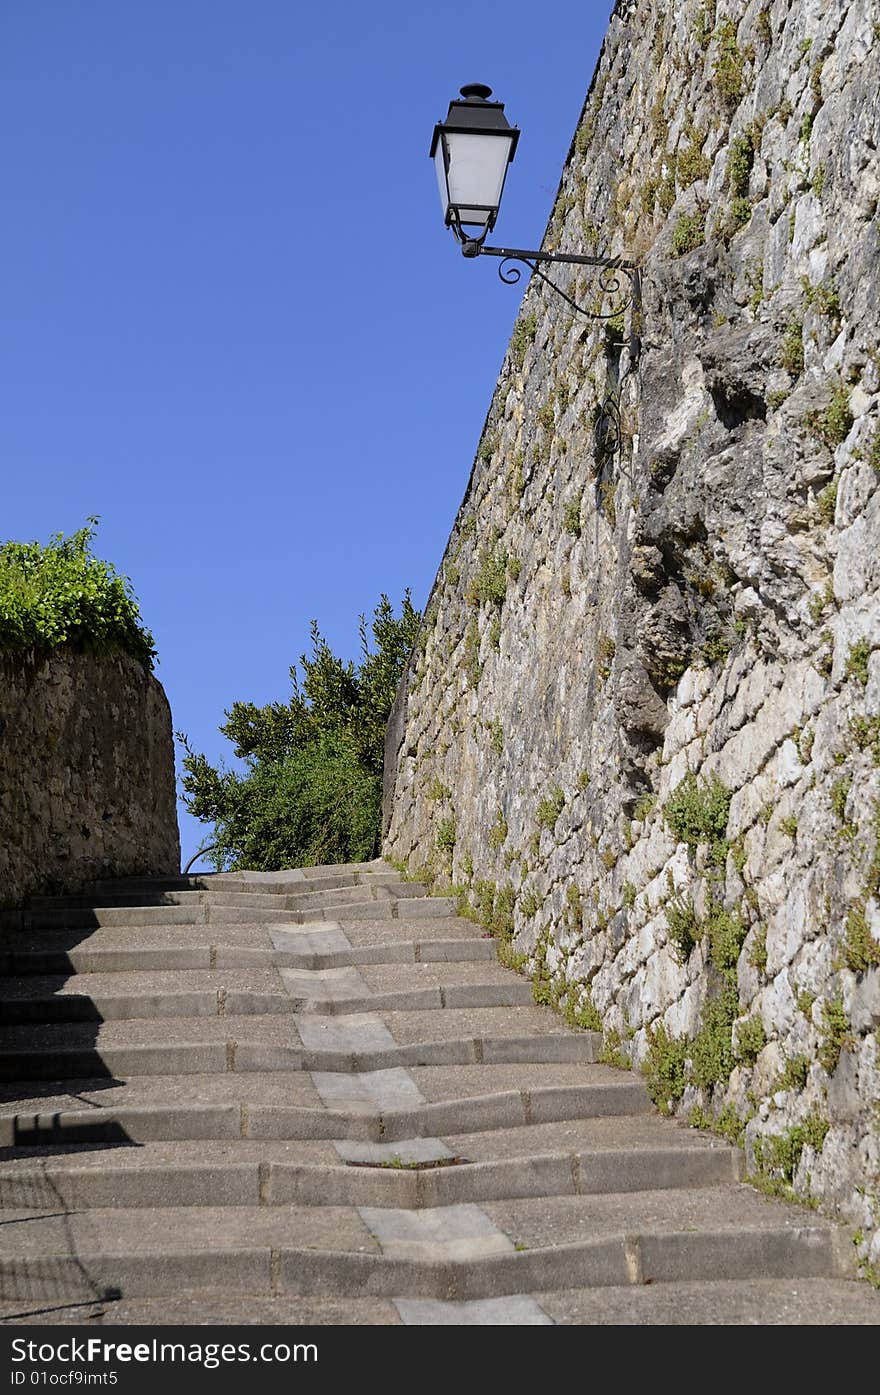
x=316 y=1097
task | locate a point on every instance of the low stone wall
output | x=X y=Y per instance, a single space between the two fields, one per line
x=641 y=732
x=86 y=773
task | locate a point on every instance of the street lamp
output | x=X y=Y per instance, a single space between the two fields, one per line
x=471 y=151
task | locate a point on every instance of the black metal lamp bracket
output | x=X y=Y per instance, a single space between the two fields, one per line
x=613 y=273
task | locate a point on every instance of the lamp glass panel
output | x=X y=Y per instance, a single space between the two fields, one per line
x=477 y=166
x=440 y=167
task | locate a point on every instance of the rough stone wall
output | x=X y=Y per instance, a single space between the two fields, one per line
x=86 y=773
x=641 y=730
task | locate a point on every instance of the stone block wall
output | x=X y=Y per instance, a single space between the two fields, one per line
x=641 y=729
x=86 y=773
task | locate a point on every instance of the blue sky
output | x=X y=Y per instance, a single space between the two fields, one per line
x=233 y=325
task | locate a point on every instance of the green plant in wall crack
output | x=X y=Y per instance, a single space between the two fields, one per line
x=836 y=1033
x=664 y=1068
x=489 y=585
x=498 y=831
x=782 y=1152
x=697 y=812
x=750 y=1040
x=684 y=930
x=688 y=233
x=444 y=838
x=861 y=951
x=550 y=808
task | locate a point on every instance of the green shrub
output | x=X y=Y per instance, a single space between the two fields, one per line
x=312 y=790
x=62 y=594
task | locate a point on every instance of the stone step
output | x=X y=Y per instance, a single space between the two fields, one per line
x=446 y=1254
x=69 y=1005
x=146 y=959
x=363 y=1120
x=739 y=1302
x=192 y=1055
x=255 y=1174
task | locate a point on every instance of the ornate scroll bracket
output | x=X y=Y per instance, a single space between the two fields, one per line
x=617 y=278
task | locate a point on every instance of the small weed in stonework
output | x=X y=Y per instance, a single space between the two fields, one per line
x=498 y=831
x=550 y=808
x=728 y=72
x=605 y=652
x=750 y=1040
x=758 y=950
x=584 y=781
x=835 y=1033
x=644 y=807
x=839 y=795
x=697 y=812
x=782 y=1152
x=861 y=951
x=496 y=737
x=792 y=353
x=865 y=732
x=530 y=903
x=572 y=515
x=824 y=298
x=683 y=928
x=857 y=661
x=665 y=1068
x=445 y=836
x=688 y=233
x=833 y=425
x=523 y=336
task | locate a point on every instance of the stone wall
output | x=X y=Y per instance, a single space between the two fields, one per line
x=641 y=730
x=86 y=773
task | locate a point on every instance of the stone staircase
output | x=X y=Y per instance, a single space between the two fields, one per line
x=314 y=1096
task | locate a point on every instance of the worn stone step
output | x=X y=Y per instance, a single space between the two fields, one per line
x=501 y=1109
x=131 y=917
x=744 y=1302
x=194 y=1054
x=784 y=1302
x=108 y=1007
x=249 y=1173
x=309 y=1251
x=147 y=959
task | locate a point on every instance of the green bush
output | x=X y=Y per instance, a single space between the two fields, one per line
x=311 y=791
x=62 y=594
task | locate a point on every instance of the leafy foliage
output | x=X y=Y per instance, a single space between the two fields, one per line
x=62 y=594
x=312 y=788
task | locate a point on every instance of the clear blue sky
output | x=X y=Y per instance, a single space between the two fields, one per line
x=233 y=325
